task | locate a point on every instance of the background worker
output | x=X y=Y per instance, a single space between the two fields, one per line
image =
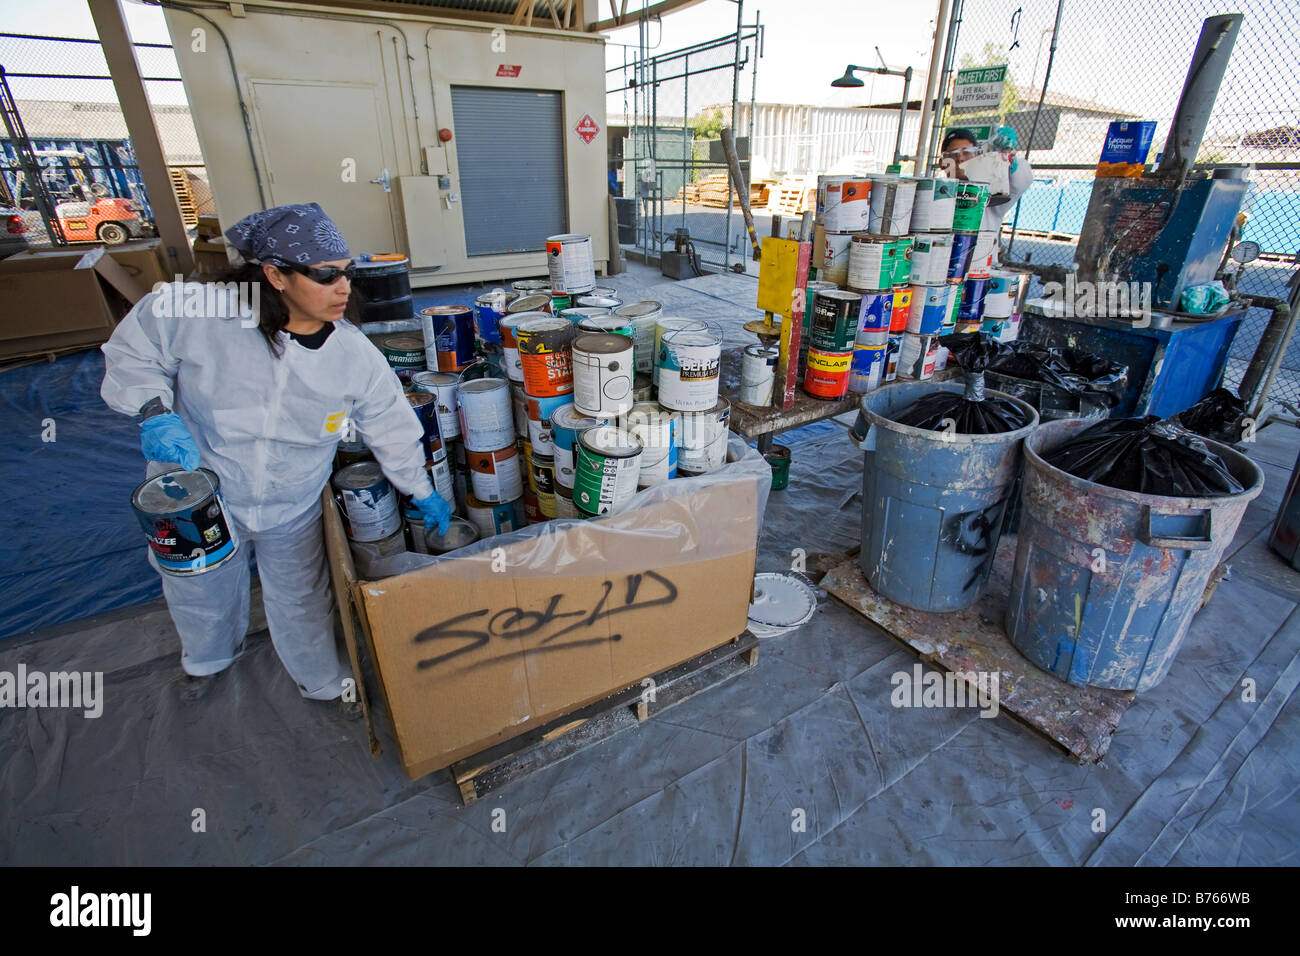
x=960 y=146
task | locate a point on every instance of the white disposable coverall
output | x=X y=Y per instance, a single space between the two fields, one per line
x=1020 y=179
x=268 y=427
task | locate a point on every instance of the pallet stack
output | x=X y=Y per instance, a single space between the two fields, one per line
x=184 y=196
x=796 y=195
x=713 y=191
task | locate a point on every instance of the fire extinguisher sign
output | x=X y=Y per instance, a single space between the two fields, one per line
x=587 y=128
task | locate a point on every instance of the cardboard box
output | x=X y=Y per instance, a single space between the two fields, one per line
x=475 y=650
x=143 y=261
x=208 y=227
x=210 y=257
x=62 y=299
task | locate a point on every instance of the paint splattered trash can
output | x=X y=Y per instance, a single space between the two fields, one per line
x=932 y=502
x=1106 y=581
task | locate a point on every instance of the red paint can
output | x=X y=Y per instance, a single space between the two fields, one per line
x=827 y=377
x=902 y=309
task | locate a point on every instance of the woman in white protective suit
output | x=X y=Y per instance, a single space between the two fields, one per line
x=261 y=398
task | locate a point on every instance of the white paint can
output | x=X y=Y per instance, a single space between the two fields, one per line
x=507 y=325
x=834 y=266
x=487 y=419
x=443 y=385
x=758 y=374
x=569 y=261
x=495 y=475
x=603 y=369
x=842 y=203
x=690 y=361
x=922 y=205
x=702 y=447
x=668 y=324
x=657 y=429
x=892 y=198
x=643 y=317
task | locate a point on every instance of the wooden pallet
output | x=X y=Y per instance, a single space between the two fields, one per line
x=565 y=736
x=795 y=195
x=184 y=197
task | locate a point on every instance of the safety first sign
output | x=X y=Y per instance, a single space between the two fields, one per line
x=587 y=128
x=979 y=89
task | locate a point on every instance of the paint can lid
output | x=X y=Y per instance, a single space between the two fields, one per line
x=602 y=343
x=404 y=342
x=361 y=475
x=570 y=419
x=635 y=310
x=781 y=602
x=530 y=302
x=174 y=490
x=417 y=400
x=569 y=237
x=483 y=385
x=434 y=378
x=610 y=442
x=459 y=533
x=445 y=310
x=763 y=351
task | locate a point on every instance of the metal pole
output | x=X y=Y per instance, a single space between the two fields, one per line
x=742 y=189
x=950 y=51
x=735 y=99
x=1033 y=130
x=929 y=108
x=902 y=116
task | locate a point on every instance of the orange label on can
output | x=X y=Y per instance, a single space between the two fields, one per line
x=547 y=374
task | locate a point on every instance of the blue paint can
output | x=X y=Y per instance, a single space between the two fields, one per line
x=963 y=249
x=974 y=289
x=875 y=311
x=488 y=310
x=868 y=369
x=185 y=521
x=929 y=307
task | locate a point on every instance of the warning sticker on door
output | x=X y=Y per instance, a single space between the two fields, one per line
x=587 y=128
x=509 y=69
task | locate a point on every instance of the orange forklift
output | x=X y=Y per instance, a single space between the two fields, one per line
x=95 y=216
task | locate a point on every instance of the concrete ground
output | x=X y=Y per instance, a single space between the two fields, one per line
x=1195 y=775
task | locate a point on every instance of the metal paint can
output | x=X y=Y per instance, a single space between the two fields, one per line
x=404 y=352
x=569 y=261
x=644 y=318
x=972 y=197
x=1003 y=330
x=443 y=386
x=974 y=289
x=603 y=369
x=607 y=302
x=519 y=408
x=903 y=260
x=930 y=255
x=413 y=526
x=944 y=206
x=843 y=203
x=542 y=480
x=544 y=354
x=921 y=204
x=643 y=387
x=453 y=327
x=383 y=287
x=669 y=324
x=425 y=406
x=576 y=314
x=758 y=374
x=439 y=472
x=605 y=291
x=916 y=356
x=539 y=429
x=899 y=315
x=532 y=302
x=185 y=522
x=1000 y=300
x=929 y=306
x=874 y=338
x=532 y=513
x=690 y=363
x=486 y=418
x=867 y=370
x=702 y=445
x=564 y=506
x=892 y=198
x=812 y=287
x=876 y=312
x=607 y=466
x=532 y=287
x=489 y=309
x=835 y=320
x=954 y=303
x=495 y=475
x=834 y=266
x=871 y=261
x=891 y=357
x=963 y=249
x=351 y=452
x=509 y=327
x=827 y=377
x=369 y=502
x=460 y=533
x=458 y=461
x=494 y=518
x=608 y=324
x=986 y=247
x=566 y=426
x=657 y=430
x=366 y=555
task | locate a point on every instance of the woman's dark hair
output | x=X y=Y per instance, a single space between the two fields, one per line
x=272 y=312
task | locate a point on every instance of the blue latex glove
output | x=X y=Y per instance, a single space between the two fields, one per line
x=165 y=438
x=435 y=511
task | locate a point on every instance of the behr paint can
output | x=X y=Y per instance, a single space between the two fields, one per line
x=902 y=309
x=827 y=376
x=812 y=287
x=607 y=466
x=184 y=519
x=494 y=518
x=608 y=324
x=690 y=363
x=443 y=386
x=566 y=426
x=916 y=356
x=972 y=197
x=404 y=352
x=603 y=369
x=892 y=198
x=509 y=328
x=758 y=374
x=876 y=312
x=963 y=250
x=922 y=204
x=531 y=302
x=891 y=357
x=369 y=502
x=489 y=309
x=569 y=261
x=543 y=483
x=944 y=206
x=486 y=418
x=668 y=324
x=868 y=368
x=835 y=320
x=929 y=306
x=834 y=266
x=495 y=475
x=903 y=260
x=843 y=203
x=702 y=445
x=539 y=429
x=657 y=430
x=544 y=354
x=644 y=317
x=871 y=262
x=973 y=291
x=453 y=327
x=606 y=302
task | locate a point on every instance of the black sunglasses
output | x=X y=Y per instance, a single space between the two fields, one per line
x=325 y=275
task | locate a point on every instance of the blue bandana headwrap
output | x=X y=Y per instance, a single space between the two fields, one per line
x=300 y=234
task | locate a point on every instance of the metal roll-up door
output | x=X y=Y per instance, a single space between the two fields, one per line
x=510 y=162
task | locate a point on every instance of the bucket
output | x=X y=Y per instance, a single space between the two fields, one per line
x=489 y=309
x=834 y=266
x=607 y=465
x=404 y=352
x=487 y=419
x=453 y=327
x=540 y=414
x=1106 y=581
x=544 y=355
x=603 y=369
x=932 y=502
x=892 y=198
x=569 y=261
x=929 y=305
x=944 y=206
x=566 y=426
x=369 y=502
x=972 y=197
x=903 y=260
x=669 y=324
x=835 y=320
x=541 y=478
x=916 y=356
x=185 y=521
x=496 y=518
x=930 y=255
x=690 y=361
x=973 y=291
x=902 y=309
x=369 y=556
x=758 y=375
x=459 y=534
x=867 y=371
x=876 y=312
x=921 y=204
x=443 y=385
x=827 y=375
x=963 y=251
x=508 y=325
x=778 y=457
x=643 y=317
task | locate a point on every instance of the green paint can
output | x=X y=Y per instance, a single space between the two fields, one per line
x=778 y=457
x=971 y=200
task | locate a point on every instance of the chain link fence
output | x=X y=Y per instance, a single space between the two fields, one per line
x=66 y=102
x=1122 y=61
x=668 y=169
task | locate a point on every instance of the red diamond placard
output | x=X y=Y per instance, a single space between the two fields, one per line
x=587 y=128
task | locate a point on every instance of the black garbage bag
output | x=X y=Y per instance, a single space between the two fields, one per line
x=1218 y=416
x=1150 y=456
x=973 y=412
x=1072 y=370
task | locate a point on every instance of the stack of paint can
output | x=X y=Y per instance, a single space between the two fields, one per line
x=834 y=329
x=545 y=354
